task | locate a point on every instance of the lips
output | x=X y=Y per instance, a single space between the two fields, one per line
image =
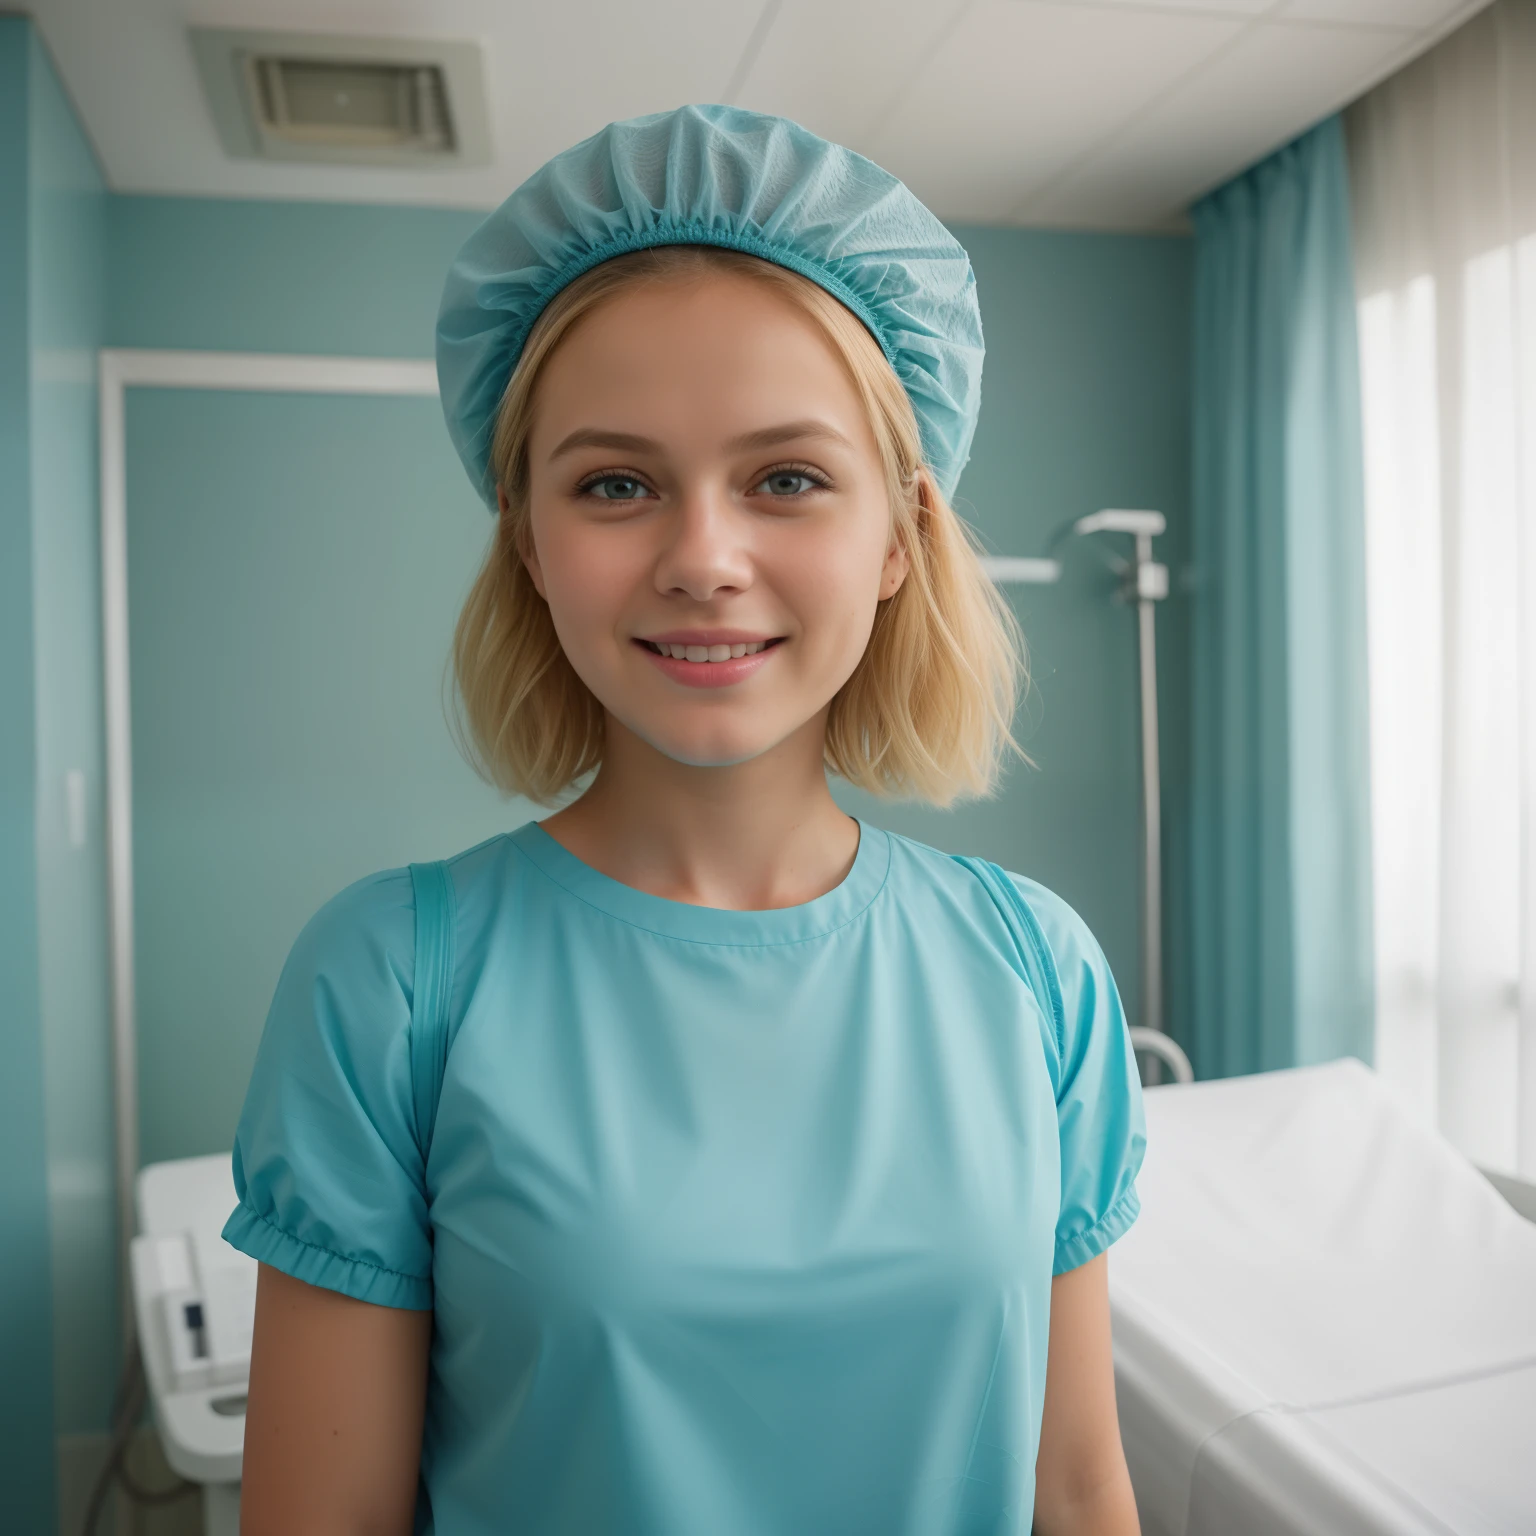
x=708 y=661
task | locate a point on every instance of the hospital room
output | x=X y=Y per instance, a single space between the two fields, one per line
x=981 y=978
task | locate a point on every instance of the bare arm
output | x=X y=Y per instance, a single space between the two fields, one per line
x=1081 y=1485
x=333 y=1425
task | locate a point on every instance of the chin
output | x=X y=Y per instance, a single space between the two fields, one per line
x=711 y=757
x=708 y=750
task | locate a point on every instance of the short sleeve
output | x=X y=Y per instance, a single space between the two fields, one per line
x=1098 y=1089
x=327 y=1167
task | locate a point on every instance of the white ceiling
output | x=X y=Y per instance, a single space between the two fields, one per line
x=1095 y=114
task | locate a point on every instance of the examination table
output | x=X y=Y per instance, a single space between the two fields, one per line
x=1324 y=1320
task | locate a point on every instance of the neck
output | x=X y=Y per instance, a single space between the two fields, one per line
x=754 y=835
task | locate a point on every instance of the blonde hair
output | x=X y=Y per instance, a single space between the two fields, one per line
x=928 y=710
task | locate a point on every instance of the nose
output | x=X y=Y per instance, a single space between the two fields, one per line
x=704 y=552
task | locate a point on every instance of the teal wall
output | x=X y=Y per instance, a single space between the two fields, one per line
x=56 y=1232
x=295 y=566
x=68 y=327
x=26 y=1312
x=279 y=277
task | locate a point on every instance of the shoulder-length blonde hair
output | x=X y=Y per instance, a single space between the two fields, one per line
x=928 y=710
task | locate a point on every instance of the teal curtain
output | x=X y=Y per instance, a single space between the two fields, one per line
x=1280 y=904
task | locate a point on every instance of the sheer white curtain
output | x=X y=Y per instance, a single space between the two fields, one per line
x=1443 y=167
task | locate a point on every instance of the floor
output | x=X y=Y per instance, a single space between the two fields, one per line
x=79 y=1461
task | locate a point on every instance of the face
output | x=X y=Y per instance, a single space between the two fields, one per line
x=709 y=521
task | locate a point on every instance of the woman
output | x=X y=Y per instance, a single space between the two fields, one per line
x=700 y=1160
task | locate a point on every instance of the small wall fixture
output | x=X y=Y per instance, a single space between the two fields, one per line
x=411 y=103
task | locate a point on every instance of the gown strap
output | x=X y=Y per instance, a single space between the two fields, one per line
x=1034 y=950
x=432 y=995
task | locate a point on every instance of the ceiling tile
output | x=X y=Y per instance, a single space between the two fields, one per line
x=1274 y=82
x=1047 y=110
x=554 y=73
x=836 y=66
x=565 y=70
x=1019 y=90
x=1379 y=13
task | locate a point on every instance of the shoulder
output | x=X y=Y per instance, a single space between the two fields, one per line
x=916 y=868
x=347 y=981
x=366 y=933
x=1064 y=932
x=1060 y=957
x=1091 y=1015
x=1067 y=936
x=372 y=915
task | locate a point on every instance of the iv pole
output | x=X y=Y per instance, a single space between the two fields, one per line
x=1145 y=583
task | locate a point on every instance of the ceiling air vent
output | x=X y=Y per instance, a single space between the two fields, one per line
x=405 y=102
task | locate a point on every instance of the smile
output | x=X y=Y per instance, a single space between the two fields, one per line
x=708 y=662
x=707 y=653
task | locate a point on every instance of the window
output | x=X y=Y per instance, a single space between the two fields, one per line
x=1446 y=250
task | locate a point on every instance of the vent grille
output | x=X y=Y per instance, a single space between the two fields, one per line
x=407 y=102
x=343 y=102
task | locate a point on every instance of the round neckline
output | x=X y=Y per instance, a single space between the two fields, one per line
x=714 y=925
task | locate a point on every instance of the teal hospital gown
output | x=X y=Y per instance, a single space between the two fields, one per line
x=731 y=1223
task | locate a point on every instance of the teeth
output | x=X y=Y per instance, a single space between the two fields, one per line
x=708 y=652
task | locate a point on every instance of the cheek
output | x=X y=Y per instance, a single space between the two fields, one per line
x=833 y=579
x=589 y=575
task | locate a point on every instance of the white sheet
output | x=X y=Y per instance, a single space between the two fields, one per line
x=1325 y=1320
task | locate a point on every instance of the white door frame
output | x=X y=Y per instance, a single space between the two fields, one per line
x=121 y=369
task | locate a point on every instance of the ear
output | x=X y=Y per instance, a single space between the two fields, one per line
x=897 y=562
x=525 y=548
x=894 y=571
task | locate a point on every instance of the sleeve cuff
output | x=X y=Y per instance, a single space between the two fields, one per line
x=1075 y=1251
x=255 y=1235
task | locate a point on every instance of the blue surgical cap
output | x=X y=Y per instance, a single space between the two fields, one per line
x=718 y=176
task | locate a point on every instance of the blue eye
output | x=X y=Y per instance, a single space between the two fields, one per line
x=616 y=488
x=788 y=482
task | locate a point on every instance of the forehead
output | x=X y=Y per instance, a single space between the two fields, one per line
x=694 y=354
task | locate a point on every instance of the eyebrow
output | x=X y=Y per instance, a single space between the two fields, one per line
x=789 y=431
x=764 y=437
x=597 y=437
